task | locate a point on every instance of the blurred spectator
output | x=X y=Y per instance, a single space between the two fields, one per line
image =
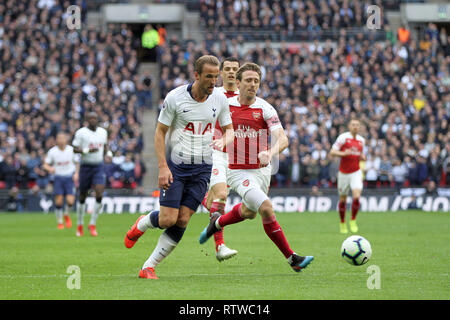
x=403 y=34
x=399 y=173
x=139 y=172
x=127 y=170
x=282 y=175
x=422 y=170
x=385 y=171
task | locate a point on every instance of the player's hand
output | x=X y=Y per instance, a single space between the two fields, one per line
x=217 y=144
x=91 y=150
x=51 y=170
x=165 y=178
x=264 y=157
x=347 y=152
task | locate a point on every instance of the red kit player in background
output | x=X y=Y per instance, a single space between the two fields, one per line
x=349 y=146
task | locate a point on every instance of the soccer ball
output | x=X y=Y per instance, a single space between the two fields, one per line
x=356 y=250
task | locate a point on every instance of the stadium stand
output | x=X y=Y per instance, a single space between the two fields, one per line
x=49 y=77
x=399 y=89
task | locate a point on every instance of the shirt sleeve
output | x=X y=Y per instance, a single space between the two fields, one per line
x=49 y=158
x=167 y=113
x=225 y=115
x=340 y=141
x=271 y=117
x=77 y=139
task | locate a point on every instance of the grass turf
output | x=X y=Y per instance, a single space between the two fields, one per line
x=411 y=249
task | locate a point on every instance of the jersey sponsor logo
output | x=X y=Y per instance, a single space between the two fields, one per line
x=190 y=127
x=246 y=183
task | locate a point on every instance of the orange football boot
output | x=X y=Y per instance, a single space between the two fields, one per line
x=92 y=230
x=68 y=222
x=133 y=234
x=60 y=226
x=147 y=273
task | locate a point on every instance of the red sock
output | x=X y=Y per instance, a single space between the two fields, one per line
x=355 y=208
x=234 y=216
x=342 y=206
x=275 y=233
x=218 y=207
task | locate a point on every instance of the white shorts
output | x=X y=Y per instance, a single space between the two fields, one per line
x=251 y=184
x=219 y=168
x=347 y=181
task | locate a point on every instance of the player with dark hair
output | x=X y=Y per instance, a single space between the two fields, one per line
x=91 y=142
x=249 y=172
x=189 y=114
x=217 y=194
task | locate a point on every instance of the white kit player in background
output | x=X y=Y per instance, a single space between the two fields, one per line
x=61 y=162
x=91 y=143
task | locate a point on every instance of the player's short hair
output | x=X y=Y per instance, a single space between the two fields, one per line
x=248 y=66
x=229 y=59
x=206 y=59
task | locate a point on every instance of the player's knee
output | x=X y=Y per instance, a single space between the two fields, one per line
x=167 y=221
x=247 y=213
x=266 y=209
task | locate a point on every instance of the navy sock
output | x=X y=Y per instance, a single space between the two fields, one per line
x=175 y=233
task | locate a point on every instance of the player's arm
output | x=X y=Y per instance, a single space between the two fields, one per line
x=280 y=142
x=338 y=153
x=76 y=144
x=165 y=177
x=336 y=148
x=48 y=165
x=227 y=137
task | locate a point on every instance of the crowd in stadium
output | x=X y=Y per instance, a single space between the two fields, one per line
x=50 y=76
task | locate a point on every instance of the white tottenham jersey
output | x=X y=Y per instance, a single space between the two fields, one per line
x=86 y=138
x=192 y=124
x=62 y=160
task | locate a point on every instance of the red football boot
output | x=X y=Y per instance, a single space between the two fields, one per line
x=92 y=230
x=133 y=234
x=147 y=273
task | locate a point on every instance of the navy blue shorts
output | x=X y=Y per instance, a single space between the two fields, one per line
x=190 y=183
x=91 y=175
x=63 y=185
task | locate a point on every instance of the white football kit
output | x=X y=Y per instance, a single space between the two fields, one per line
x=192 y=124
x=62 y=160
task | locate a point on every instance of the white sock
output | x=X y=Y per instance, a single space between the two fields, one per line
x=146 y=222
x=164 y=247
x=59 y=214
x=95 y=213
x=66 y=210
x=81 y=209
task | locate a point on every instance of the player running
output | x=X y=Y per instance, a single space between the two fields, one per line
x=91 y=142
x=61 y=162
x=249 y=163
x=349 y=146
x=189 y=114
x=216 y=197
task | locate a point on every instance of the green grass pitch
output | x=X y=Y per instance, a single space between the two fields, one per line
x=410 y=248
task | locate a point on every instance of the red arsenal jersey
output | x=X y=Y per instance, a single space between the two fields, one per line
x=345 y=141
x=252 y=125
x=218 y=130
